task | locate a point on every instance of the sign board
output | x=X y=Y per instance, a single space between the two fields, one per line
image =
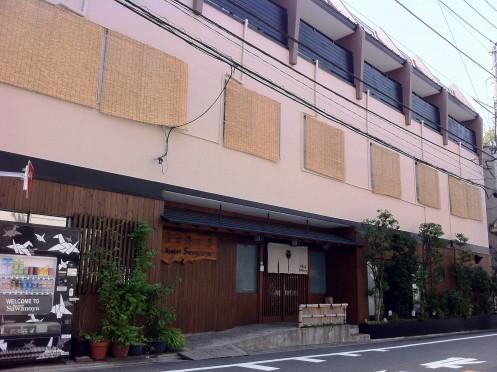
x=286 y=259
x=28 y=178
x=187 y=247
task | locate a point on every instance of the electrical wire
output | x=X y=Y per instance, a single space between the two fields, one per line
x=161 y=158
x=462 y=19
x=460 y=56
x=444 y=38
x=211 y=51
x=334 y=64
x=306 y=77
x=410 y=133
x=439 y=73
x=491 y=5
x=481 y=15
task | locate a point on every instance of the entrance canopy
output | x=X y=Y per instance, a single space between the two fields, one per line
x=248 y=226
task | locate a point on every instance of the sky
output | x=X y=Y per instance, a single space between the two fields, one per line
x=456 y=21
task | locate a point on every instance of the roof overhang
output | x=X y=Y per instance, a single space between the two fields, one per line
x=269 y=228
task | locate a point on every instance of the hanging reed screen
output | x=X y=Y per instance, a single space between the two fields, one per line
x=142 y=83
x=386 y=171
x=102 y=238
x=428 y=186
x=50 y=51
x=465 y=200
x=251 y=122
x=324 y=149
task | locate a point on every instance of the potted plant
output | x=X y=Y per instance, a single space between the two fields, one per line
x=99 y=344
x=137 y=346
x=158 y=320
x=174 y=338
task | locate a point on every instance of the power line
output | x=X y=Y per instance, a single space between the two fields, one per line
x=491 y=5
x=460 y=56
x=188 y=11
x=439 y=73
x=444 y=38
x=334 y=64
x=213 y=52
x=481 y=15
x=461 y=18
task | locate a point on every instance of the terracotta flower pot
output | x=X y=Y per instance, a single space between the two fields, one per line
x=119 y=351
x=98 y=350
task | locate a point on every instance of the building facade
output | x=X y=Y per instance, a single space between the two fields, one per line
x=253 y=136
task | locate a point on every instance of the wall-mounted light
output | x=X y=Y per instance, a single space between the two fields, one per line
x=295 y=242
x=258 y=238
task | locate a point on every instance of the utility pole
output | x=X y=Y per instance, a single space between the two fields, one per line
x=494 y=78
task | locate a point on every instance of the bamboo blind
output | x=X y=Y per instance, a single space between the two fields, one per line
x=465 y=200
x=324 y=149
x=428 y=186
x=386 y=171
x=142 y=83
x=50 y=51
x=251 y=122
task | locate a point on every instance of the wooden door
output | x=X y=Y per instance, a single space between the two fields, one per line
x=282 y=295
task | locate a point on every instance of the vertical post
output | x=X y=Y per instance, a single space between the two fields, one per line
x=494 y=72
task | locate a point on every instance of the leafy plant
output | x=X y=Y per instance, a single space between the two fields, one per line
x=125 y=294
x=379 y=233
x=431 y=272
x=402 y=275
x=93 y=336
x=174 y=338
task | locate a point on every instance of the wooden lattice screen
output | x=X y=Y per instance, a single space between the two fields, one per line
x=324 y=149
x=101 y=237
x=386 y=171
x=428 y=186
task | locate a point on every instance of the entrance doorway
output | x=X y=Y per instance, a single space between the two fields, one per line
x=282 y=295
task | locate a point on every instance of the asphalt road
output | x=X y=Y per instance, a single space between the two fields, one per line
x=463 y=352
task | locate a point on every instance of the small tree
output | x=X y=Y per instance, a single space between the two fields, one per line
x=463 y=275
x=378 y=233
x=431 y=263
x=402 y=273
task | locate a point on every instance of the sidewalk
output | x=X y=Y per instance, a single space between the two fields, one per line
x=237 y=341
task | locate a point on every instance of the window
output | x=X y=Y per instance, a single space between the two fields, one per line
x=13 y=216
x=40 y=219
x=427 y=186
x=37 y=219
x=251 y=122
x=465 y=200
x=385 y=172
x=246 y=267
x=318 y=272
x=324 y=149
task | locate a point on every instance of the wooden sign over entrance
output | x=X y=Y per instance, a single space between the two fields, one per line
x=185 y=247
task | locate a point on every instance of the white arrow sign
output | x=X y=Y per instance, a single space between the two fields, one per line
x=453 y=363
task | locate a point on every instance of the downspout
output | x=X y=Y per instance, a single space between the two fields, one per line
x=245 y=28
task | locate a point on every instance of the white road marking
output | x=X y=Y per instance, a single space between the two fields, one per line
x=257 y=366
x=310 y=360
x=351 y=353
x=453 y=363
